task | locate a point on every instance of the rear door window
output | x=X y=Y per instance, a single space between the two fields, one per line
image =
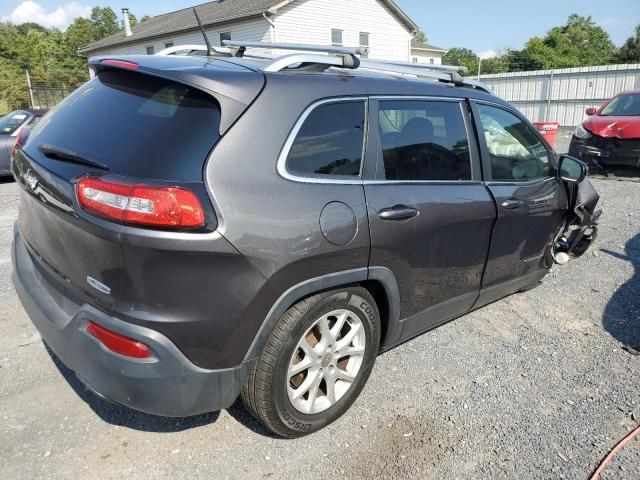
x=330 y=141
x=423 y=140
x=137 y=125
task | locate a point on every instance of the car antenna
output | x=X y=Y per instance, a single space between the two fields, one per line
x=210 y=51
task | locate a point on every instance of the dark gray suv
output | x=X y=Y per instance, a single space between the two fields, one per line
x=197 y=228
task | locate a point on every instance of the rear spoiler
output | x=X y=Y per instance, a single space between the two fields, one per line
x=234 y=87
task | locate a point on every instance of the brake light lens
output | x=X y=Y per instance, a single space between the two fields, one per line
x=20 y=141
x=139 y=204
x=118 y=343
x=120 y=63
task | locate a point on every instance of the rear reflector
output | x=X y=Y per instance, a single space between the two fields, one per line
x=120 y=63
x=118 y=343
x=139 y=204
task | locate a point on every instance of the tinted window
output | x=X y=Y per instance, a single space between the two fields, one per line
x=330 y=141
x=137 y=125
x=424 y=140
x=516 y=152
x=11 y=122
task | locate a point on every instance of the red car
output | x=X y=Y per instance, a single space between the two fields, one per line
x=611 y=134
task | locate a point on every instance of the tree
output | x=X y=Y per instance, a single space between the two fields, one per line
x=421 y=37
x=105 y=22
x=580 y=42
x=462 y=57
x=145 y=18
x=630 y=50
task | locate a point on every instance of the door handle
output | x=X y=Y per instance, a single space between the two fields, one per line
x=511 y=204
x=398 y=212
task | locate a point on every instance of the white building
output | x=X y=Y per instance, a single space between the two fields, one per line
x=379 y=24
x=425 y=53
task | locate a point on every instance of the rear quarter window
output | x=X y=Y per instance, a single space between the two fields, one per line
x=329 y=142
x=137 y=125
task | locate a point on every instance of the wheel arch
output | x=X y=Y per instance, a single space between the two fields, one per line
x=379 y=281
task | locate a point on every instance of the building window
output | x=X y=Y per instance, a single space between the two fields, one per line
x=168 y=45
x=415 y=59
x=364 y=42
x=431 y=61
x=224 y=36
x=336 y=38
x=150 y=50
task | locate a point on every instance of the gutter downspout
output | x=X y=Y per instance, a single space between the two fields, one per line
x=272 y=29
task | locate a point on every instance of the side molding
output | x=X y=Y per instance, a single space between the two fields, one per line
x=317 y=284
x=295 y=293
x=390 y=284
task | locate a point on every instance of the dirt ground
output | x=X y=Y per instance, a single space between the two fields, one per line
x=539 y=385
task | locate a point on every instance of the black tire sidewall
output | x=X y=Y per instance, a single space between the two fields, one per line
x=360 y=303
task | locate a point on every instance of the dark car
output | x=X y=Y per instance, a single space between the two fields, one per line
x=611 y=134
x=195 y=228
x=10 y=127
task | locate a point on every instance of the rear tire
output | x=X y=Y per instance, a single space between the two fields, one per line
x=315 y=363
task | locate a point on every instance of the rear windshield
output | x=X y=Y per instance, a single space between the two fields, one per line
x=11 y=122
x=137 y=125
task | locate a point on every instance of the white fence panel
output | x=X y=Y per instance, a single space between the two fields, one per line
x=563 y=95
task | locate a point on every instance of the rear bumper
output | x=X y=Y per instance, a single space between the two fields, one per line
x=166 y=384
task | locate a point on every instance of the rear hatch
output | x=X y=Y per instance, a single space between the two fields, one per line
x=140 y=125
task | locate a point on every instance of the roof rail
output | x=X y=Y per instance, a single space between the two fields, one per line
x=326 y=56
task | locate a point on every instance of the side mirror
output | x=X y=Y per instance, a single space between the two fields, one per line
x=571 y=169
x=591 y=111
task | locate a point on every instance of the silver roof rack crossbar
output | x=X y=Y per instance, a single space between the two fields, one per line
x=322 y=57
x=324 y=61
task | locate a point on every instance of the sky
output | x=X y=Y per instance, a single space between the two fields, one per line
x=485 y=27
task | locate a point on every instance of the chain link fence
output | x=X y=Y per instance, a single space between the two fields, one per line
x=26 y=87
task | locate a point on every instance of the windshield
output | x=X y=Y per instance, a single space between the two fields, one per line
x=12 y=122
x=623 y=105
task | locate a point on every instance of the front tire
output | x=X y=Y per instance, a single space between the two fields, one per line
x=315 y=362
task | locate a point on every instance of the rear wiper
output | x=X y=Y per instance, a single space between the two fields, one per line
x=63 y=154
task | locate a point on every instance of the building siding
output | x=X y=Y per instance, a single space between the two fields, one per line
x=311 y=21
x=256 y=30
x=563 y=95
x=302 y=21
x=426 y=57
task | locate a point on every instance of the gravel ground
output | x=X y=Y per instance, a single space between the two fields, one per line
x=534 y=386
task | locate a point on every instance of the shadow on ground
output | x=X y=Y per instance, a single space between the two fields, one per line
x=613 y=172
x=120 y=415
x=622 y=314
x=123 y=416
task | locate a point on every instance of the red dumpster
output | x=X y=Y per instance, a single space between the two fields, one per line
x=549 y=131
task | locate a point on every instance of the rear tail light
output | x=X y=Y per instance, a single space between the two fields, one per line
x=118 y=343
x=139 y=204
x=21 y=140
